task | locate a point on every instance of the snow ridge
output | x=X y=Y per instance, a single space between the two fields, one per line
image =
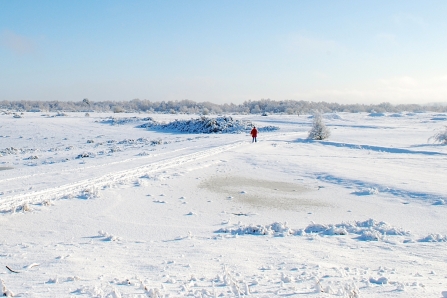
x=368 y=230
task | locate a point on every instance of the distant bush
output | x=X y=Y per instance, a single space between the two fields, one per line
x=118 y=110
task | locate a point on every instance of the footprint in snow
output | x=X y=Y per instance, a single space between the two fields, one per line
x=160 y=202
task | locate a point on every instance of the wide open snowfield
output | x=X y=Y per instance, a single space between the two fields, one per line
x=90 y=209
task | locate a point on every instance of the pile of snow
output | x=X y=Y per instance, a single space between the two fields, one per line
x=275 y=229
x=396 y=115
x=332 y=116
x=126 y=120
x=434 y=238
x=369 y=230
x=375 y=114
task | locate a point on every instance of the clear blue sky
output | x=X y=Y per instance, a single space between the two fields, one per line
x=224 y=51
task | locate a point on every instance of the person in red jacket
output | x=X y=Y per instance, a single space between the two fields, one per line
x=254 y=134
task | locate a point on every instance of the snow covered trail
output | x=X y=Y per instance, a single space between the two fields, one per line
x=89 y=187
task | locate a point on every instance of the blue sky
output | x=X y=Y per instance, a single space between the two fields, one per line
x=224 y=51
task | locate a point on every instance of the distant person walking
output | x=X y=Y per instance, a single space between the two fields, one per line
x=254 y=134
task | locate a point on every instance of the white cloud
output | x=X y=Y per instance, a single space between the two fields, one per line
x=18 y=44
x=386 y=38
x=404 y=19
x=305 y=44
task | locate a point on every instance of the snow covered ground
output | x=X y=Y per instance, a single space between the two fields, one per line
x=97 y=208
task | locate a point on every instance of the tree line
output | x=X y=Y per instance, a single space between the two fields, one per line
x=185 y=106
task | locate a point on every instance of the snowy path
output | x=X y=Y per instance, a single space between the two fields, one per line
x=90 y=186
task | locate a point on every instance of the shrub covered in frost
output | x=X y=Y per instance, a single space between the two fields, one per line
x=225 y=124
x=125 y=120
x=319 y=131
x=267 y=128
x=440 y=137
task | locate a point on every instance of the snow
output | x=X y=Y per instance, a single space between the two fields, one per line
x=221 y=124
x=100 y=207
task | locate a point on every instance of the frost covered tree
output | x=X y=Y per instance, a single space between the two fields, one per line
x=319 y=131
x=440 y=137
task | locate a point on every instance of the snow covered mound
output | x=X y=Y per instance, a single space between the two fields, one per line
x=396 y=115
x=125 y=120
x=369 y=230
x=275 y=228
x=224 y=124
x=375 y=114
x=332 y=116
x=434 y=238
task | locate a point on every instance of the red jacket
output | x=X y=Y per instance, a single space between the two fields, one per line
x=254 y=132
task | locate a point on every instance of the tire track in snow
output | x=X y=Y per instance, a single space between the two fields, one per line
x=77 y=169
x=10 y=203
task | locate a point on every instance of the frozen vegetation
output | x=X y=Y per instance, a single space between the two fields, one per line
x=319 y=131
x=174 y=205
x=259 y=107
